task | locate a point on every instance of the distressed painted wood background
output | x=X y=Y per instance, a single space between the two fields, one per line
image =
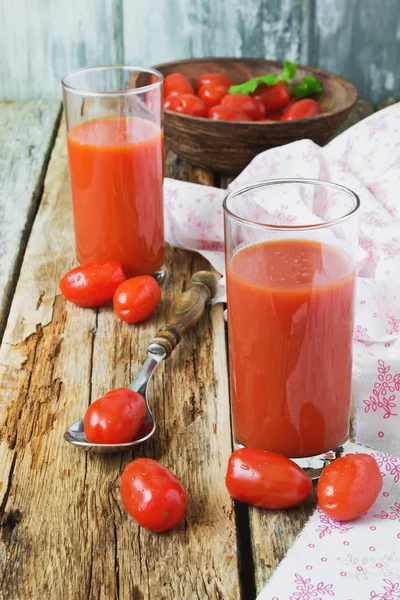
x=40 y=40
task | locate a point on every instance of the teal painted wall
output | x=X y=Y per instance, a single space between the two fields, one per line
x=40 y=40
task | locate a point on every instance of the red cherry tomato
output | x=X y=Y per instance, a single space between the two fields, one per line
x=253 y=107
x=212 y=94
x=177 y=84
x=92 y=284
x=115 y=418
x=135 y=299
x=152 y=495
x=266 y=479
x=349 y=486
x=214 y=78
x=170 y=101
x=188 y=104
x=222 y=112
x=303 y=109
x=274 y=97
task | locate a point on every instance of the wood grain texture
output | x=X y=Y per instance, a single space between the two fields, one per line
x=163 y=30
x=64 y=532
x=41 y=40
x=359 y=40
x=227 y=147
x=27 y=134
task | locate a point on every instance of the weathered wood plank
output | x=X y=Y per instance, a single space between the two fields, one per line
x=27 y=132
x=64 y=532
x=273 y=532
x=179 y=169
x=41 y=41
x=269 y=28
x=359 y=39
x=162 y=30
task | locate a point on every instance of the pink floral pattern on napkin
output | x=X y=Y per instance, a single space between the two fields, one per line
x=307 y=590
x=361 y=560
x=383 y=396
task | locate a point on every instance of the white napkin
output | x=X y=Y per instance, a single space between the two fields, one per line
x=359 y=560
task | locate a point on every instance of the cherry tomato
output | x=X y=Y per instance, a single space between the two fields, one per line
x=349 y=486
x=222 y=112
x=303 y=109
x=261 y=111
x=212 y=94
x=214 y=78
x=177 y=84
x=136 y=298
x=169 y=101
x=266 y=479
x=188 y=104
x=115 y=418
x=253 y=107
x=274 y=97
x=152 y=495
x=92 y=284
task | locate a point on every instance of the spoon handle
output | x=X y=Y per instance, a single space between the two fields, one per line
x=187 y=310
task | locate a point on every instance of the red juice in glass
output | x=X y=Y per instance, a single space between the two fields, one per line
x=290 y=295
x=116 y=167
x=290 y=315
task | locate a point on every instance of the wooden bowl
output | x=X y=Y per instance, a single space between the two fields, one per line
x=227 y=147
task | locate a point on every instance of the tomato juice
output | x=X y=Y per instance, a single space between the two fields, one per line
x=116 y=170
x=290 y=320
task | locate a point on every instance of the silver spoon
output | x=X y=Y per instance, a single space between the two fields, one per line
x=186 y=311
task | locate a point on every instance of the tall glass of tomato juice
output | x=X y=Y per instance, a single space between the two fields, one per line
x=115 y=149
x=291 y=251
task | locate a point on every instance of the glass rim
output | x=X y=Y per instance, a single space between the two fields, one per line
x=277 y=227
x=111 y=93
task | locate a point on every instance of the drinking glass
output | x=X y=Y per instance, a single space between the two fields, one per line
x=291 y=254
x=115 y=138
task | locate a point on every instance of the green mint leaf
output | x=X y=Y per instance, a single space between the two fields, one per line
x=289 y=71
x=308 y=86
x=248 y=87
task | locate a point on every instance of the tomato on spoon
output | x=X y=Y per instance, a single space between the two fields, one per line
x=115 y=418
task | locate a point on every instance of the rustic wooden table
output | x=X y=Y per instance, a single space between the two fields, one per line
x=65 y=534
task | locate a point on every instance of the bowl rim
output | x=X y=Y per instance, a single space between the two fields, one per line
x=344 y=82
